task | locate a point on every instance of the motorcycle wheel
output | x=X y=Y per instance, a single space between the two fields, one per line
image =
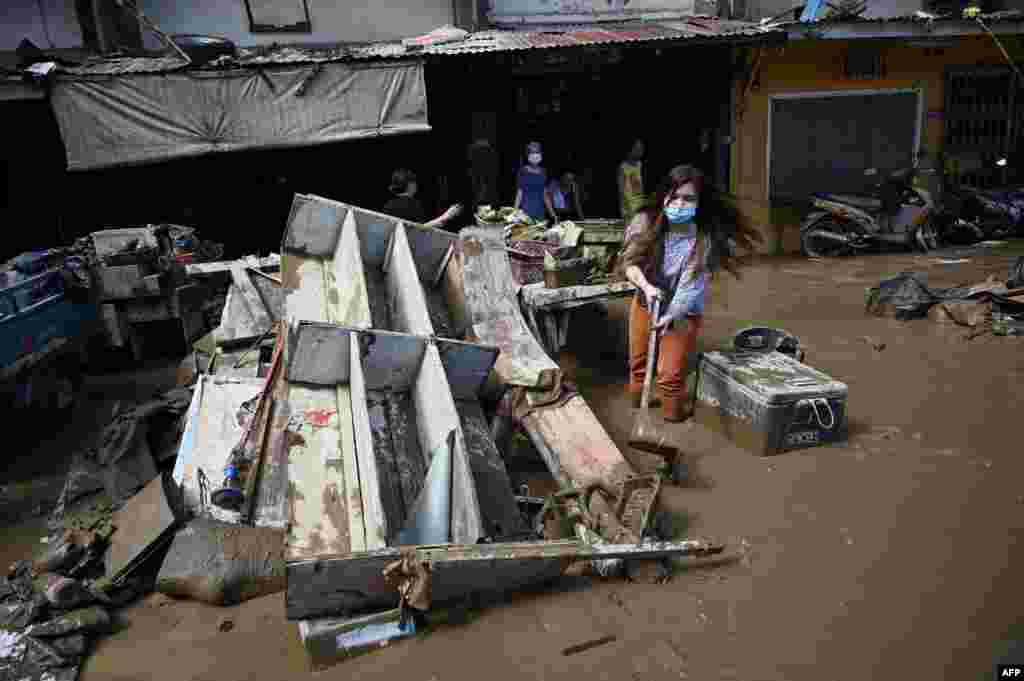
x=815 y=245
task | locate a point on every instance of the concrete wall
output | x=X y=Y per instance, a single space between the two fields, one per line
x=333 y=21
x=812 y=66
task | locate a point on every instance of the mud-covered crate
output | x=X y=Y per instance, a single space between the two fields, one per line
x=769 y=402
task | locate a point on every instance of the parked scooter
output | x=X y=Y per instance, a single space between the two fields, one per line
x=895 y=215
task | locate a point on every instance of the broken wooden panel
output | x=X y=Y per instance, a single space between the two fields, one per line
x=319 y=354
x=498 y=510
x=145 y=523
x=313 y=226
x=202 y=457
x=467 y=366
x=409 y=311
x=270 y=292
x=354 y=583
x=437 y=417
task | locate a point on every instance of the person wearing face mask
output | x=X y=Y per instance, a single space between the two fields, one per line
x=531 y=184
x=406 y=206
x=668 y=251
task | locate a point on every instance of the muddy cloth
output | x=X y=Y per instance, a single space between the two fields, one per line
x=122 y=461
x=905 y=296
x=223 y=564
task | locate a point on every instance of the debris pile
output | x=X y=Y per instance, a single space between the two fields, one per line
x=990 y=306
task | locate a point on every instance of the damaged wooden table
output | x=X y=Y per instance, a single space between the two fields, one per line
x=548 y=310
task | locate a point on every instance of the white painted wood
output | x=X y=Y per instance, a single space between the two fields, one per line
x=409 y=310
x=369 y=485
x=436 y=417
x=215 y=434
x=347 y=299
x=306 y=294
x=319 y=519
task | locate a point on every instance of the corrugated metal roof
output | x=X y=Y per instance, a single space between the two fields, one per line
x=701 y=28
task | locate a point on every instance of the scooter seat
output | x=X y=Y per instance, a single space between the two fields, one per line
x=867 y=203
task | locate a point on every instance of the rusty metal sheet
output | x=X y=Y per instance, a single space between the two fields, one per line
x=142 y=525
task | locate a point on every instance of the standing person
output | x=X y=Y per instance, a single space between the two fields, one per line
x=564 y=195
x=631 y=182
x=531 y=183
x=483 y=173
x=406 y=206
x=668 y=251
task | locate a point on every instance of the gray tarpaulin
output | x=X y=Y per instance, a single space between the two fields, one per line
x=143 y=118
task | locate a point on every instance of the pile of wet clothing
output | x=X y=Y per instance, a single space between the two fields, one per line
x=994 y=304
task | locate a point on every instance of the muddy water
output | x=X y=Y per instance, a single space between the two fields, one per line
x=894 y=555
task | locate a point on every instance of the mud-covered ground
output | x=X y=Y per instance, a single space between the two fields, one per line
x=897 y=555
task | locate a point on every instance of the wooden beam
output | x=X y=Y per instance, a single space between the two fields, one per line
x=369 y=483
x=345 y=585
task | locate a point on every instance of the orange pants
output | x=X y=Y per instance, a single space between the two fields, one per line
x=674 y=349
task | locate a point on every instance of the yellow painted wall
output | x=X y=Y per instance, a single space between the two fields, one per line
x=817 y=66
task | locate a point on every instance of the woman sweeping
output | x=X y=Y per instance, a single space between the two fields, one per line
x=668 y=252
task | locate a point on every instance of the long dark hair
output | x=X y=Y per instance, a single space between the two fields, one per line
x=716 y=218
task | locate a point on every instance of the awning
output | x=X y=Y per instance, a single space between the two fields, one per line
x=109 y=121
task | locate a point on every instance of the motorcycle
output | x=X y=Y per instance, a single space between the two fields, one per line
x=895 y=214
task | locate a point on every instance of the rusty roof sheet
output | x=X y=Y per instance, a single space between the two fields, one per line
x=702 y=28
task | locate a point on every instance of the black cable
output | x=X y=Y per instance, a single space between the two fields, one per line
x=46 y=23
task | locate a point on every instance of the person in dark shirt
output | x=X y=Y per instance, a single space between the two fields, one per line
x=407 y=207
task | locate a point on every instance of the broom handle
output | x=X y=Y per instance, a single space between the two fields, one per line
x=652 y=347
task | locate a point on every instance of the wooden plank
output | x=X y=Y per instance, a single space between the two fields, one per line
x=319 y=354
x=467 y=366
x=313 y=226
x=436 y=417
x=319 y=513
x=493 y=309
x=353 y=496
x=498 y=510
x=538 y=296
x=260 y=318
x=575 y=444
x=205 y=269
x=216 y=433
x=405 y=292
x=390 y=360
x=272 y=504
x=347 y=299
x=436 y=279
x=353 y=584
x=376 y=530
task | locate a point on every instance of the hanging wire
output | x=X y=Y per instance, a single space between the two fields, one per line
x=46 y=23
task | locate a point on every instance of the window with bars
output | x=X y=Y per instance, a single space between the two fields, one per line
x=983 y=120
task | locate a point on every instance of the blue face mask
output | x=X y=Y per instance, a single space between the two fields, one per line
x=677 y=215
